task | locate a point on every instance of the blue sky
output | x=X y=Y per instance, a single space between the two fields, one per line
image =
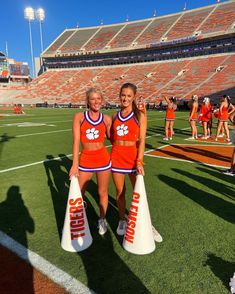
x=62 y=14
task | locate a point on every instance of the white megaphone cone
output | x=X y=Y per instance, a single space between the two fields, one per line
x=76 y=234
x=138 y=238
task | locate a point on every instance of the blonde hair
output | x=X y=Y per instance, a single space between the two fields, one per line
x=195 y=98
x=89 y=92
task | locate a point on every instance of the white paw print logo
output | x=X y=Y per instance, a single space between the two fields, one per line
x=92 y=134
x=122 y=130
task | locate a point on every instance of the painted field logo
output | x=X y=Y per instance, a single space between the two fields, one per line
x=132 y=218
x=77 y=218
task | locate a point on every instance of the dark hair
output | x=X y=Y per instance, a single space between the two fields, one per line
x=225 y=98
x=134 y=106
x=173 y=99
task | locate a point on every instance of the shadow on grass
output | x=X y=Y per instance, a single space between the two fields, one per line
x=216 y=205
x=210 y=183
x=3 y=139
x=105 y=269
x=16 y=222
x=221 y=268
x=58 y=183
x=216 y=173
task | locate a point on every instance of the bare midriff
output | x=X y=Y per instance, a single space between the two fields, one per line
x=93 y=146
x=124 y=143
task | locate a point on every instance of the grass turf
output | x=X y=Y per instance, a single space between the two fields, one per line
x=191 y=205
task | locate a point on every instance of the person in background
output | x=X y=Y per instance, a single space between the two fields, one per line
x=231 y=170
x=90 y=129
x=193 y=116
x=141 y=105
x=128 y=134
x=206 y=117
x=170 y=117
x=225 y=109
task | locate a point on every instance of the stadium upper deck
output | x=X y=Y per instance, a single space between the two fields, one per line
x=205 y=22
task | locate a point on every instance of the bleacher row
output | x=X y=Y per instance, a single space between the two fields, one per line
x=209 y=75
x=214 y=19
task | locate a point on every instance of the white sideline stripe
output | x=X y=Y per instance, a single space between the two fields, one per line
x=185 y=160
x=55 y=274
x=69 y=155
x=42 y=161
x=186 y=144
x=36 y=163
x=209 y=142
x=42 y=133
x=51 y=122
x=31 y=164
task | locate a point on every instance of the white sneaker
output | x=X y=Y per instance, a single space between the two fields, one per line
x=191 y=138
x=102 y=226
x=165 y=139
x=156 y=236
x=228 y=172
x=121 y=229
x=170 y=138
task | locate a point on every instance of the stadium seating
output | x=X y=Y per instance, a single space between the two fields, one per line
x=205 y=76
x=209 y=75
x=77 y=40
x=101 y=39
x=220 y=20
x=129 y=33
x=187 y=24
x=206 y=20
x=58 y=42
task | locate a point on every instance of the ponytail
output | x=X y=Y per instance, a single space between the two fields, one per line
x=136 y=111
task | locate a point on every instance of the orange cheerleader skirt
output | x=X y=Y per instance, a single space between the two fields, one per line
x=94 y=160
x=123 y=159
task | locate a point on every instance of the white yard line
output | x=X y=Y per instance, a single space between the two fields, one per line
x=36 y=163
x=108 y=146
x=42 y=133
x=18 y=122
x=210 y=142
x=58 y=276
x=184 y=160
x=31 y=164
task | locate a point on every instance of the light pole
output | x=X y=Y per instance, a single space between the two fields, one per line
x=40 y=15
x=29 y=15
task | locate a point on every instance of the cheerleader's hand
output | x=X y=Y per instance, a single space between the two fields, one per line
x=140 y=167
x=73 y=172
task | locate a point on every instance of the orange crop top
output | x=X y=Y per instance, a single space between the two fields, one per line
x=141 y=107
x=125 y=128
x=193 y=112
x=92 y=131
x=170 y=113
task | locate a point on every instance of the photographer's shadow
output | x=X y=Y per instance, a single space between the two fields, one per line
x=15 y=222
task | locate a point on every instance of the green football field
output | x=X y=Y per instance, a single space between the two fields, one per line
x=192 y=205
